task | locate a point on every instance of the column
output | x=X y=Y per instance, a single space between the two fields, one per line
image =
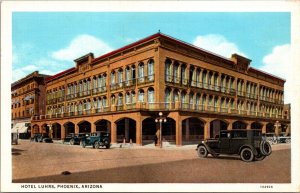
x=178 y=131
x=76 y=128
x=139 y=132
x=207 y=130
x=113 y=133
x=93 y=128
x=248 y=126
x=229 y=127
x=62 y=132
x=264 y=127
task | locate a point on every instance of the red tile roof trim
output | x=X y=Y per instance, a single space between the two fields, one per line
x=60 y=74
x=149 y=38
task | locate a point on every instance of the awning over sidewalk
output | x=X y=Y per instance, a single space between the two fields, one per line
x=20 y=128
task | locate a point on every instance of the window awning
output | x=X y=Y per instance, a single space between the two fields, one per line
x=20 y=128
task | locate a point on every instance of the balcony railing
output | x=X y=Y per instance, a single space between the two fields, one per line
x=163 y=106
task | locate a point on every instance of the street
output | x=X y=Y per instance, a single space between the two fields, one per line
x=44 y=163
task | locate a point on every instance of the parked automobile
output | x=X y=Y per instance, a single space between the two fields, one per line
x=248 y=144
x=97 y=140
x=41 y=137
x=74 y=138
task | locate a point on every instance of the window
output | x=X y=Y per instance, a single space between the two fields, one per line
x=127 y=99
x=141 y=96
x=104 y=102
x=112 y=100
x=167 y=95
x=133 y=97
x=150 y=95
x=151 y=70
x=120 y=99
x=141 y=72
x=120 y=76
x=168 y=70
x=112 y=78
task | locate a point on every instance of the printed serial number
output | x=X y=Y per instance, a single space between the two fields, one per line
x=266 y=186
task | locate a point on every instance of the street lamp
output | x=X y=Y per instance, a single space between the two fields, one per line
x=160 y=119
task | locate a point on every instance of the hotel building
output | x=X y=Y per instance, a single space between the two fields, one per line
x=199 y=93
x=27 y=100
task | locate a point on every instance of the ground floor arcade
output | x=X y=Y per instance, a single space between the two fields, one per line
x=141 y=127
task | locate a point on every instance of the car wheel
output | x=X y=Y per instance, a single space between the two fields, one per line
x=72 y=142
x=202 y=151
x=107 y=145
x=259 y=157
x=265 y=148
x=247 y=154
x=97 y=145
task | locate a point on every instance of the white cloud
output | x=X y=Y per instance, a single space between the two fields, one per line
x=278 y=62
x=19 y=73
x=80 y=46
x=218 y=44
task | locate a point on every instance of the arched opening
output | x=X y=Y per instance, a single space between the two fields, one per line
x=192 y=130
x=169 y=130
x=103 y=126
x=216 y=126
x=45 y=129
x=126 y=128
x=270 y=128
x=149 y=130
x=69 y=128
x=56 y=131
x=84 y=127
x=256 y=125
x=35 y=129
x=239 y=125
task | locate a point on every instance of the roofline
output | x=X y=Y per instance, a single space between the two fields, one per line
x=60 y=74
x=152 y=37
x=31 y=75
x=126 y=47
x=268 y=74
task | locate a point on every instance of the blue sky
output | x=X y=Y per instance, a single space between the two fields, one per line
x=50 y=41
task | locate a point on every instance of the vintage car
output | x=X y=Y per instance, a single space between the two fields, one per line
x=248 y=144
x=74 y=138
x=97 y=140
x=41 y=137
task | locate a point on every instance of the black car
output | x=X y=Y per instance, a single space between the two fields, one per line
x=74 y=138
x=97 y=140
x=249 y=144
x=41 y=137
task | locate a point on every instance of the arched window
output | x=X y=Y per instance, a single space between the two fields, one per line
x=133 y=97
x=141 y=72
x=175 y=95
x=191 y=98
x=104 y=101
x=141 y=95
x=80 y=109
x=120 y=99
x=168 y=70
x=128 y=98
x=176 y=72
x=183 y=75
x=183 y=97
x=120 y=77
x=167 y=95
x=127 y=76
x=112 y=78
x=151 y=70
x=150 y=95
x=112 y=100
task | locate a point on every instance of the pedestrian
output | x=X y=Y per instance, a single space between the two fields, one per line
x=155 y=139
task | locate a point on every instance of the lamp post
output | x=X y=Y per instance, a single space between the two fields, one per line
x=50 y=130
x=160 y=119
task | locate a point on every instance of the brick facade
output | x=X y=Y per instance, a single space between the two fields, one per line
x=122 y=92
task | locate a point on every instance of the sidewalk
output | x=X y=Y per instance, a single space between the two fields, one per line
x=168 y=145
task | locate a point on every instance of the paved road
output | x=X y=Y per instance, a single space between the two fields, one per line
x=44 y=163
